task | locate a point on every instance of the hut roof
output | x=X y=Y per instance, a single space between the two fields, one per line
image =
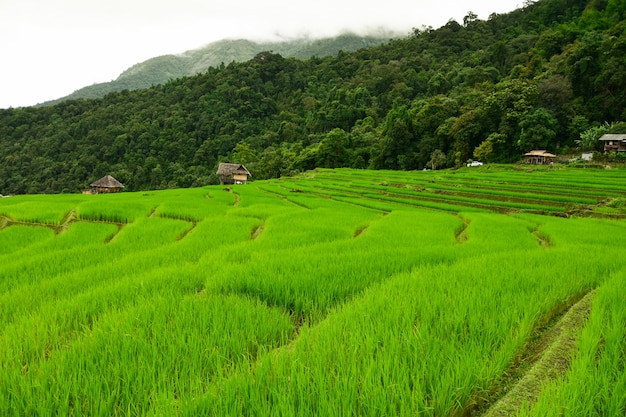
x=229 y=169
x=613 y=136
x=540 y=153
x=107 y=182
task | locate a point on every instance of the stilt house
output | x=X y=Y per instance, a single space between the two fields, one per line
x=233 y=173
x=614 y=142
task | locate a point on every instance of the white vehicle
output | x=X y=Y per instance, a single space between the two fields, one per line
x=475 y=164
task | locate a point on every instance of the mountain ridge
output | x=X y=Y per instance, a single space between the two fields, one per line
x=162 y=68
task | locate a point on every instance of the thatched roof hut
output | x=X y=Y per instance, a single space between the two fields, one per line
x=233 y=173
x=538 y=157
x=107 y=184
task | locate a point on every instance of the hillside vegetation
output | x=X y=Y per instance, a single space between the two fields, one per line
x=161 y=69
x=537 y=77
x=488 y=291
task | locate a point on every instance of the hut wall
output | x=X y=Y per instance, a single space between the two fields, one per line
x=108 y=189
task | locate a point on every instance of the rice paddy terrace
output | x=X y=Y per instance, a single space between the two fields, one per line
x=485 y=291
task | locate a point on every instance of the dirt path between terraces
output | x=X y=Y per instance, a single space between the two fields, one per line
x=547 y=357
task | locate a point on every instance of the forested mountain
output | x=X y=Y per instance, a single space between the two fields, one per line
x=533 y=78
x=161 y=69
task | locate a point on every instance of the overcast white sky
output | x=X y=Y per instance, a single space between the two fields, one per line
x=50 y=48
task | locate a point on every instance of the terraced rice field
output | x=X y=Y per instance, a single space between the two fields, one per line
x=488 y=291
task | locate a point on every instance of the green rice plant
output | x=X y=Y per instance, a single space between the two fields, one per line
x=371 y=203
x=259 y=203
x=469 y=199
x=257 y=194
x=310 y=279
x=95 y=265
x=17 y=238
x=617 y=203
x=35 y=271
x=582 y=232
x=316 y=295
x=492 y=232
x=596 y=382
x=614 y=207
x=194 y=204
x=593 y=181
x=69 y=305
x=312 y=227
x=78 y=234
x=89 y=294
x=149 y=358
x=431 y=203
x=302 y=194
x=65 y=307
x=471 y=189
x=40 y=209
x=328 y=377
x=375 y=200
x=58 y=249
x=115 y=208
x=424 y=342
x=146 y=233
x=582 y=187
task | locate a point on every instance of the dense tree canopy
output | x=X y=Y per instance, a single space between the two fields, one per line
x=536 y=77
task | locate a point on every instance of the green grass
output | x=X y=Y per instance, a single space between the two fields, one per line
x=338 y=292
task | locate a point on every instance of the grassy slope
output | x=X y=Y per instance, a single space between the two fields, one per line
x=339 y=292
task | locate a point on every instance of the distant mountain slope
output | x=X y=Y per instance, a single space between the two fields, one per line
x=160 y=69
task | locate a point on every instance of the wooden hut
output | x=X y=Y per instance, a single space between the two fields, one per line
x=539 y=157
x=233 y=173
x=614 y=142
x=106 y=184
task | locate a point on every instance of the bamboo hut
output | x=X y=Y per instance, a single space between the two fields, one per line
x=538 y=157
x=233 y=173
x=106 y=184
